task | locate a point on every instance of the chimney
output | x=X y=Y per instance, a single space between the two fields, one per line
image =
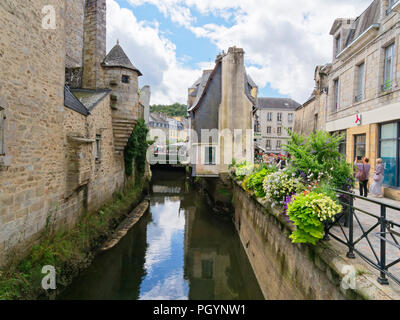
x=94 y=50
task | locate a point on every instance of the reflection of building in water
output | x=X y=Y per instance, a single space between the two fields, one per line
x=213 y=265
x=117 y=273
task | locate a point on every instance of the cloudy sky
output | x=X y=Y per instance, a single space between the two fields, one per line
x=171 y=41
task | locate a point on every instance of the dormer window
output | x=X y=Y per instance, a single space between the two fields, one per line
x=125 y=79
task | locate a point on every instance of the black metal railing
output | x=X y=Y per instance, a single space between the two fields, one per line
x=379 y=236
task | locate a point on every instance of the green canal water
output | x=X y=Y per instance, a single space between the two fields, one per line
x=181 y=249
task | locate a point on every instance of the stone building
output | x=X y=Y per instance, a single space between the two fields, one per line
x=273 y=118
x=363 y=101
x=67 y=110
x=172 y=129
x=311 y=116
x=221 y=101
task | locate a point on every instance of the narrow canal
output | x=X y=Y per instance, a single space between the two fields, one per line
x=179 y=250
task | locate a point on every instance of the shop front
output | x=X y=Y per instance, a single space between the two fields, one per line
x=389 y=148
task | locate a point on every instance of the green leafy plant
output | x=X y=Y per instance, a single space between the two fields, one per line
x=308 y=211
x=254 y=182
x=136 y=149
x=280 y=184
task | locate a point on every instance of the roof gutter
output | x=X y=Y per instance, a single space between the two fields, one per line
x=371 y=27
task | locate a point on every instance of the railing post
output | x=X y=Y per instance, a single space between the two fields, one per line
x=351 y=254
x=382 y=279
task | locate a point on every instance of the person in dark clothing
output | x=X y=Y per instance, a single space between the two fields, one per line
x=362 y=175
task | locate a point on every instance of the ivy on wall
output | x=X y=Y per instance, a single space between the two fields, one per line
x=136 y=149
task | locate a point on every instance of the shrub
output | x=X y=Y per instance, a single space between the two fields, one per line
x=136 y=149
x=280 y=184
x=317 y=158
x=254 y=182
x=308 y=212
x=242 y=169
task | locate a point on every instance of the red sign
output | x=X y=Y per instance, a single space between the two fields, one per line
x=358 y=119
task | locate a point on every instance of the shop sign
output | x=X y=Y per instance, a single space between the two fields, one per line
x=358 y=119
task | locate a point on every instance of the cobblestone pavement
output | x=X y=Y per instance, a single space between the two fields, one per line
x=367 y=222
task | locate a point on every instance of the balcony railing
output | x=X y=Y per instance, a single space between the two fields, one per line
x=372 y=236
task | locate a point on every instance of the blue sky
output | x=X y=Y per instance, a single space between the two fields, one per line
x=171 y=41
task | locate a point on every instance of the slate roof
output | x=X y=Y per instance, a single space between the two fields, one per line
x=90 y=98
x=277 y=103
x=249 y=85
x=118 y=58
x=201 y=84
x=368 y=18
x=72 y=102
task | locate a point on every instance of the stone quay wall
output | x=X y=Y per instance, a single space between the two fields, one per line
x=287 y=271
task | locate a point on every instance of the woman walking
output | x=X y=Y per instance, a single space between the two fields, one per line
x=379 y=175
x=362 y=175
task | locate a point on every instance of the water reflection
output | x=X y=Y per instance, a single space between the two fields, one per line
x=179 y=250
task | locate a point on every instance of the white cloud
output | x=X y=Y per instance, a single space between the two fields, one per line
x=152 y=53
x=284 y=40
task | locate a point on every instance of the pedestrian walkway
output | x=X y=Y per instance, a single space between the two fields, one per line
x=367 y=222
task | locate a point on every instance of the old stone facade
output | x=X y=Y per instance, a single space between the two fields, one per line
x=61 y=146
x=273 y=118
x=312 y=115
x=363 y=88
x=222 y=100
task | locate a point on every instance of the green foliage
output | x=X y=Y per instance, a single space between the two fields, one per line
x=316 y=158
x=174 y=110
x=67 y=250
x=242 y=169
x=280 y=184
x=308 y=212
x=136 y=149
x=254 y=182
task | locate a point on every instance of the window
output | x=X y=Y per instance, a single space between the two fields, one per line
x=290 y=117
x=279 y=131
x=268 y=144
x=269 y=130
x=360 y=143
x=388 y=68
x=315 y=126
x=98 y=147
x=279 y=117
x=360 y=82
x=337 y=44
x=210 y=155
x=269 y=116
x=278 y=145
x=336 y=94
x=389 y=146
x=207 y=269
x=125 y=79
x=2 y=125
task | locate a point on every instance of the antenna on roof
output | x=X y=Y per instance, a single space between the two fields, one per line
x=117 y=41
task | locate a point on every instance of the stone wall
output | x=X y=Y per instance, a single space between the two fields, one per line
x=94 y=44
x=125 y=95
x=74 y=14
x=287 y=271
x=44 y=173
